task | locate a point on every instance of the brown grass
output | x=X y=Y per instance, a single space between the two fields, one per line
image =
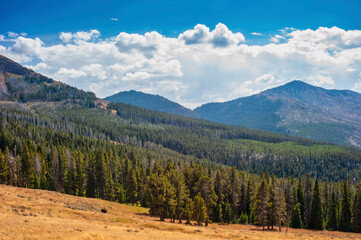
x=38 y=214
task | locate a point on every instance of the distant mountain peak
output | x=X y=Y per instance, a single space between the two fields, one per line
x=152 y=102
x=296 y=108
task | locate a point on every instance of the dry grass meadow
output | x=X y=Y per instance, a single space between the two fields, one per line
x=38 y=214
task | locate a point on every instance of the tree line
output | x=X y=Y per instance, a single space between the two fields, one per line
x=184 y=191
x=95 y=155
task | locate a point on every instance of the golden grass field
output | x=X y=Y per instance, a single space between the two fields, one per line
x=39 y=214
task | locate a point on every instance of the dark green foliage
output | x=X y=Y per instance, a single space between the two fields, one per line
x=357 y=210
x=296 y=221
x=4 y=169
x=261 y=203
x=161 y=196
x=345 y=217
x=243 y=219
x=199 y=210
x=227 y=217
x=332 y=213
x=316 y=215
x=301 y=197
x=188 y=212
x=27 y=171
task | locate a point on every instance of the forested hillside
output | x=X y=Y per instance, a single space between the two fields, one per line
x=152 y=102
x=181 y=168
x=297 y=109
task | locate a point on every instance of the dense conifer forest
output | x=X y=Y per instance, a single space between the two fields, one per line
x=182 y=169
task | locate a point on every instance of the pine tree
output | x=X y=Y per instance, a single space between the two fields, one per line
x=260 y=205
x=357 y=209
x=131 y=187
x=316 y=214
x=80 y=176
x=234 y=190
x=91 y=185
x=345 y=217
x=188 y=212
x=227 y=217
x=273 y=205
x=308 y=199
x=332 y=213
x=181 y=194
x=205 y=189
x=100 y=174
x=199 y=210
x=301 y=198
x=296 y=221
x=121 y=195
x=161 y=196
x=243 y=198
x=4 y=169
x=27 y=170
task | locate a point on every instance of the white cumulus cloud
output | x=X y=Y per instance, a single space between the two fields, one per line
x=200 y=65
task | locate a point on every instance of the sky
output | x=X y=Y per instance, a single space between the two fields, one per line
x=192 y=52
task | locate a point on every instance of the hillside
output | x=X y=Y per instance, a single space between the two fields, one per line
x=152 y=102
x=39 y=214
x=20 y=84
x=297 y=109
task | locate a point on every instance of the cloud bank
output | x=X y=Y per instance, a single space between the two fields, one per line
x=200 y=65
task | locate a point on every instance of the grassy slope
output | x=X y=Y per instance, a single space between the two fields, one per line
x=39 y=214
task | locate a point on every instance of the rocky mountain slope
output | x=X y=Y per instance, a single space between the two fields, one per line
x=296 y=108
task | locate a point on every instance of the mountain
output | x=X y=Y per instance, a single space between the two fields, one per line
x=297 y=109
x=21 y=84
x=152 y=102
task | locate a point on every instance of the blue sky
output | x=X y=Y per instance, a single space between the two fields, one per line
x=192 y=52
x=171 y=17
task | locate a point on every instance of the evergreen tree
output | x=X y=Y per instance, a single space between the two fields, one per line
x=161 y=196
x=80 y=176
x=199 y=210
x=308 y=199
x=357 y=209
x=188 y=212
x=296 y=221
x=332 y=213
x=181 y=194
x=205 y=189
x=316 y=214
x=27 y=170
x=227 y=217
x=273 y=205
x=121 y=195
x=260 y=204
x=345 y=217
x=301 y=198
x=131 y=187
x=100 y=174
x=4 y=169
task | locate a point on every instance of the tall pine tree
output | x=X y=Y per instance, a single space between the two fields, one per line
x=316 y=214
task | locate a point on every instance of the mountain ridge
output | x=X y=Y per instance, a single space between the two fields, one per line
x=296 y=108
x=152 y=102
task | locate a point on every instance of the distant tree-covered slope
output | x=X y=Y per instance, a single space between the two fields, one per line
x=297 y=109
x=21 y=84
x=152 y=102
